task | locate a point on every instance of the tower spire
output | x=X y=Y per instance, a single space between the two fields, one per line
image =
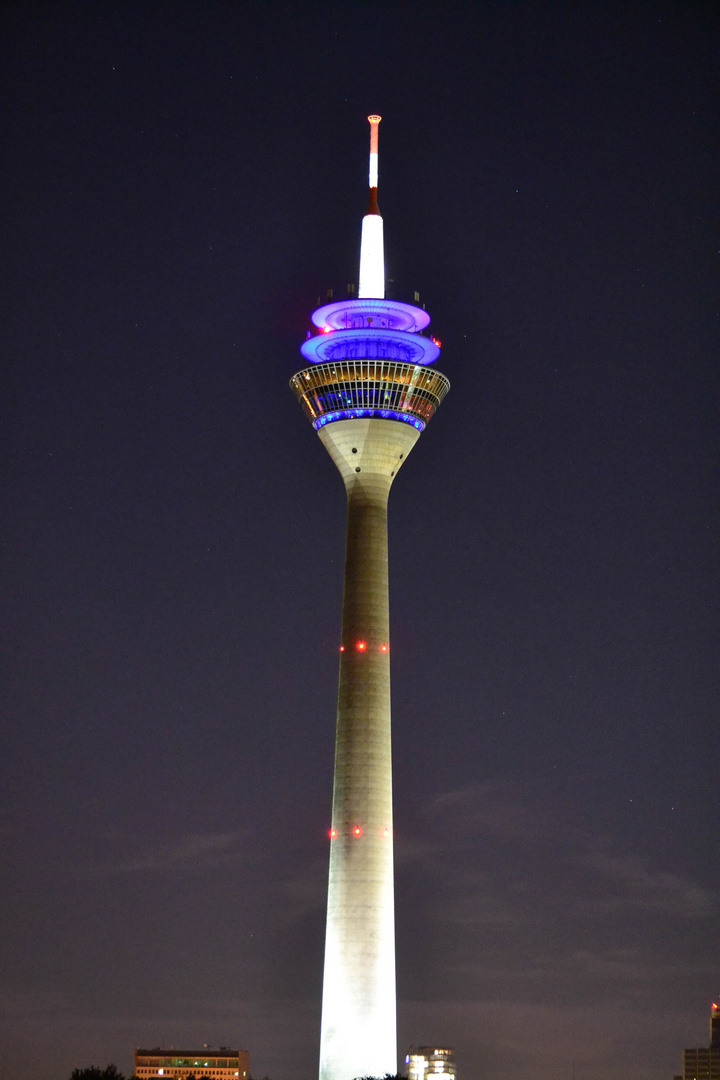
x=372 y=257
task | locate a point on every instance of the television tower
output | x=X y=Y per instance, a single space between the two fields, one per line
x=369 y=393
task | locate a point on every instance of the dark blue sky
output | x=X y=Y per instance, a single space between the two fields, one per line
x=182 y=182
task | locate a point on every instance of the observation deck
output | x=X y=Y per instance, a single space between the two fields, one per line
x=383 y=389
x=370 y=359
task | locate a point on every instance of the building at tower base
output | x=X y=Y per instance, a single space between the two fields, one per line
x=222 y=1064
x=430 y=1063
x=703 y=1062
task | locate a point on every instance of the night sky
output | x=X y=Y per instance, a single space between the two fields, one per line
x=182 y=182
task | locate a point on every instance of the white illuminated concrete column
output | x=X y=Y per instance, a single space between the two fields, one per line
x=358 y=1031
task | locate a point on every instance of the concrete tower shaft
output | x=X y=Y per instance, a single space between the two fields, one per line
x=358 y=1013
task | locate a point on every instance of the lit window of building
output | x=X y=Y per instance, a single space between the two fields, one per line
x=431 y=1063
x=224 y=1064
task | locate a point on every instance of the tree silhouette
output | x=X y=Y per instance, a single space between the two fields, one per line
x=387 y=1076
x=94 y=1072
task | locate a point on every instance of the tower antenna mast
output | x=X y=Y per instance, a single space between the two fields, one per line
x=372 y=256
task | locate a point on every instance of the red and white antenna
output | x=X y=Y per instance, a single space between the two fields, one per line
x=374 y=122
x=372 y=257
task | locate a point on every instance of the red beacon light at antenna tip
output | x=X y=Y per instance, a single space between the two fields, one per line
x=374 y=119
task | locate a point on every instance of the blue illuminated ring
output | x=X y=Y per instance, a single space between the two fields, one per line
x=372 y=414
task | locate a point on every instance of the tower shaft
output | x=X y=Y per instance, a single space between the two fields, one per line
x=358 y=1034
